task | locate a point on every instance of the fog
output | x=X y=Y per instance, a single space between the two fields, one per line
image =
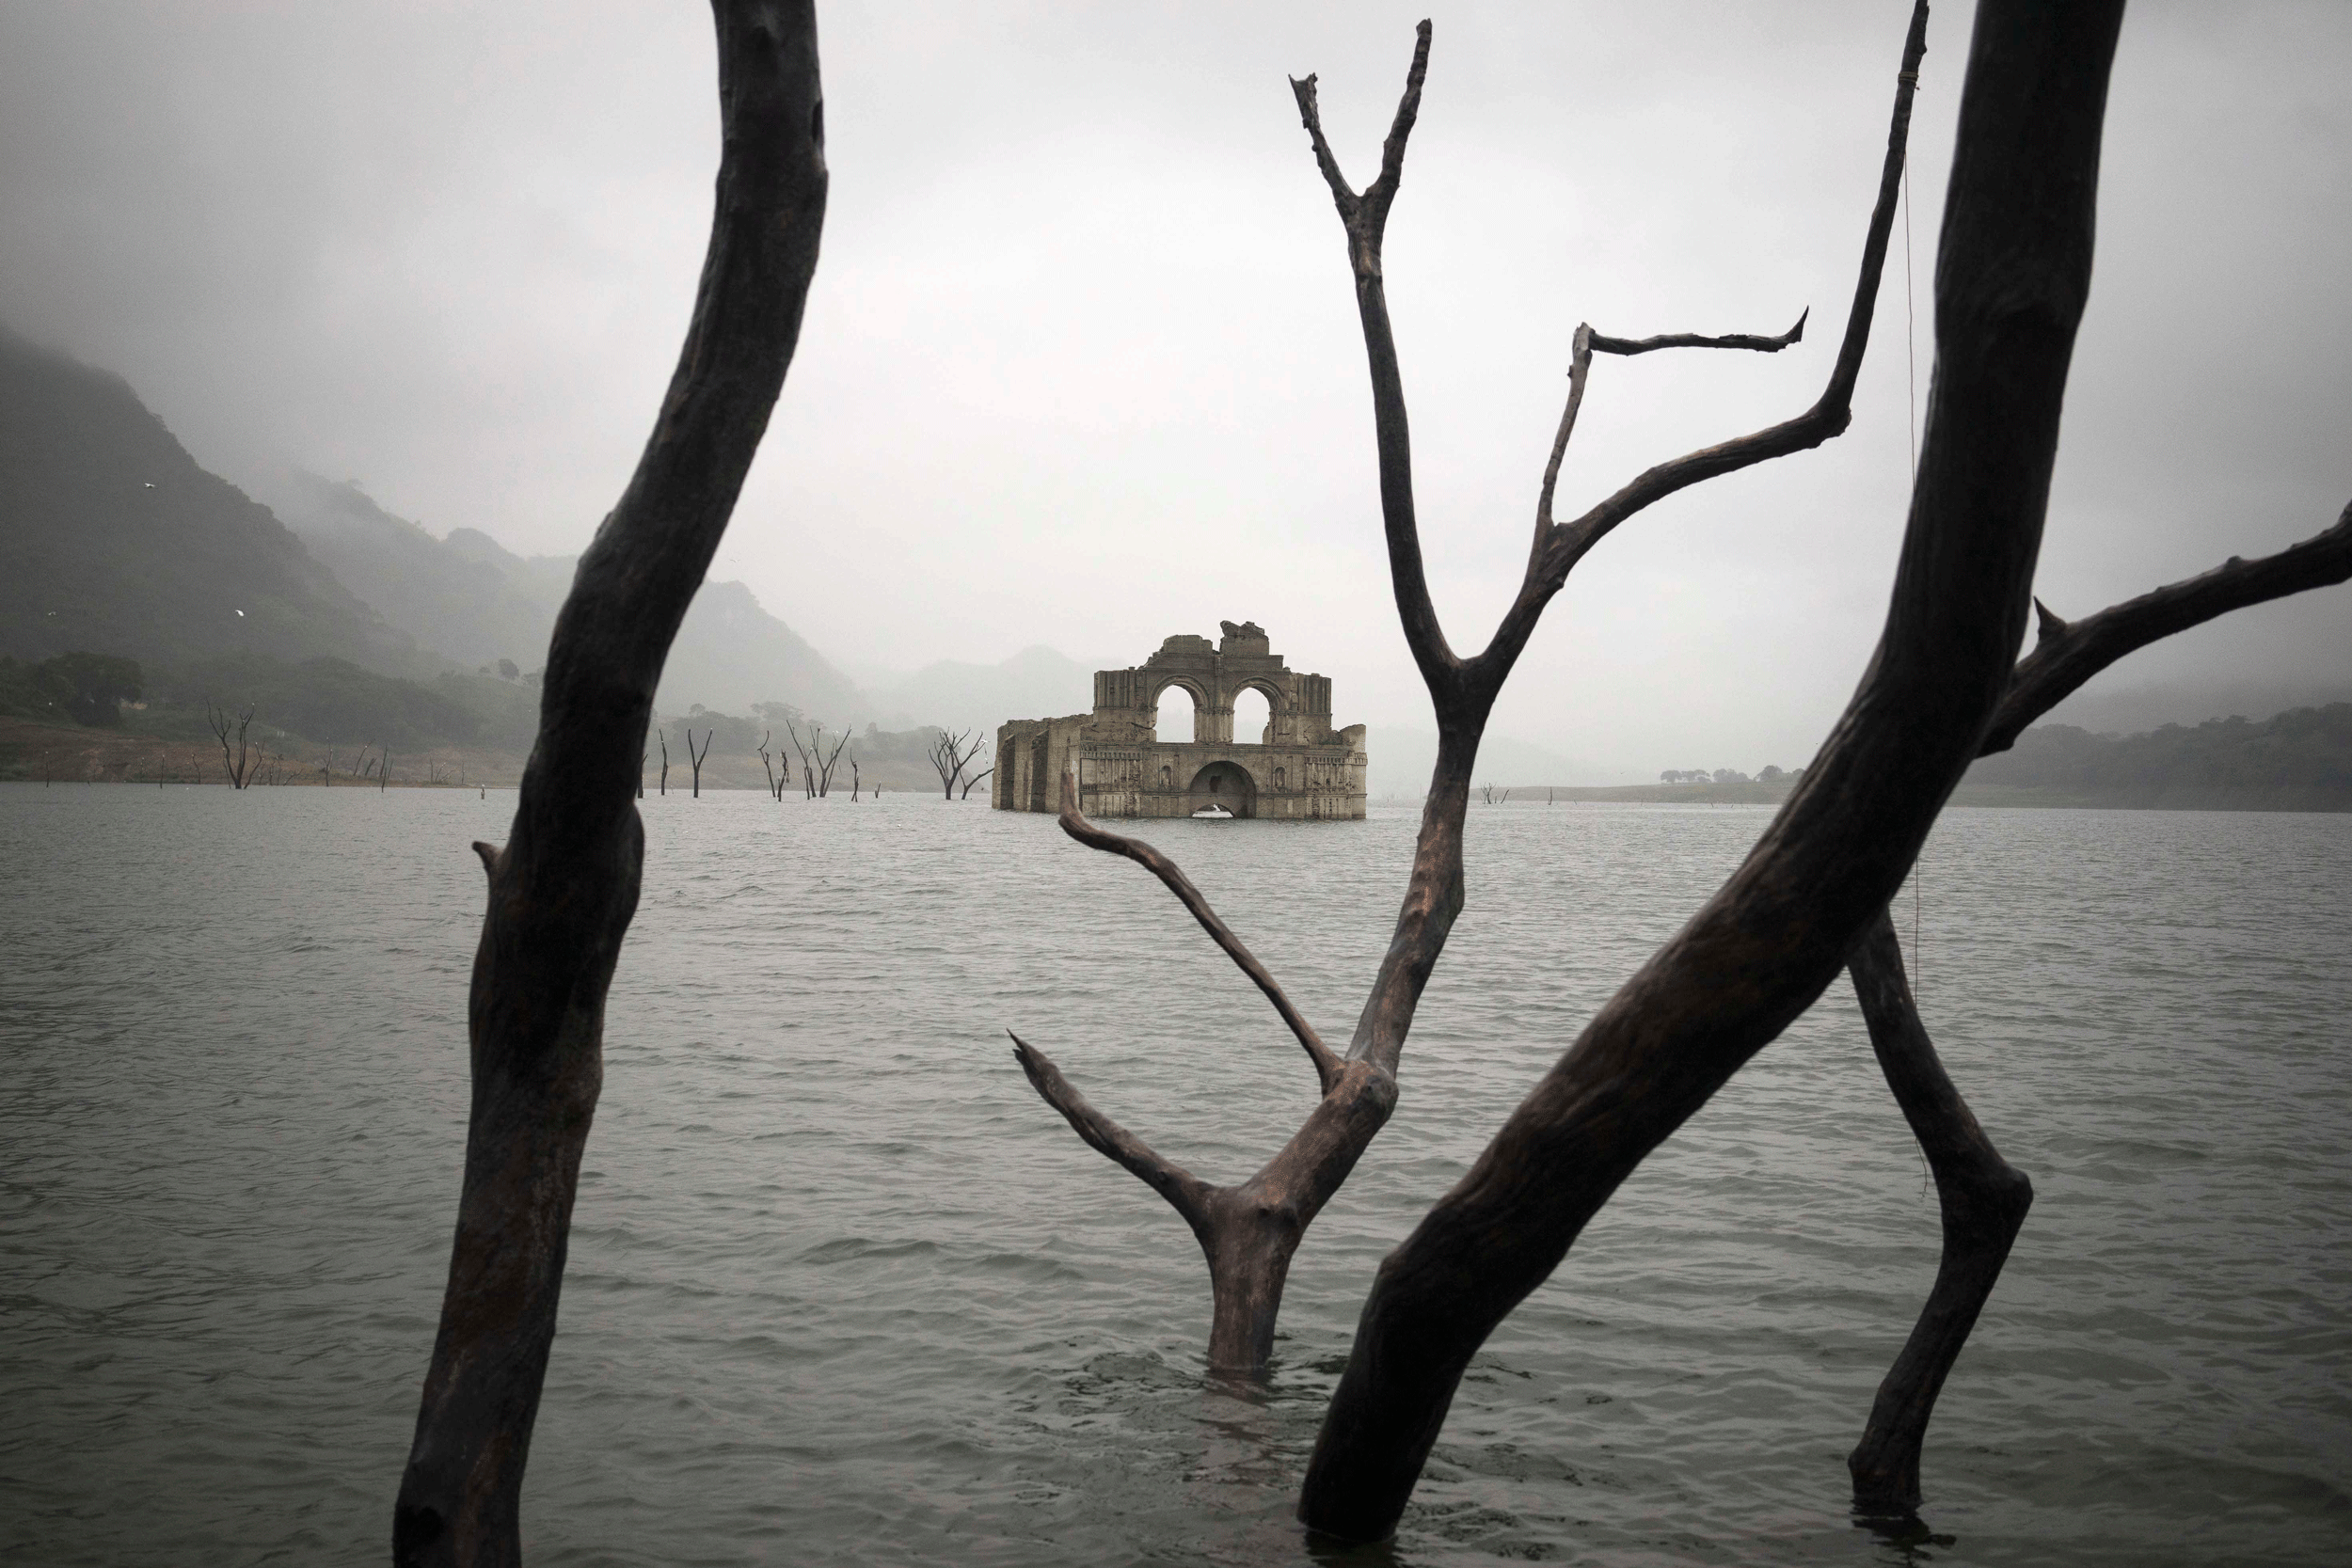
x=1081 y=365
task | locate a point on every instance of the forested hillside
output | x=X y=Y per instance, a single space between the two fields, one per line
x=339 y=625
x=114 y=541
x=2300 y=760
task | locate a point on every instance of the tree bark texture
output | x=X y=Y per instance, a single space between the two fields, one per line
x=1249 y=1232
x=2012 y=275
x=562 y=889
x=1982 y=1199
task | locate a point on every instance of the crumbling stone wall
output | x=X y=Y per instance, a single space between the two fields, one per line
x=1298 y=767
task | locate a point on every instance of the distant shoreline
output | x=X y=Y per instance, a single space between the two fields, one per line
x=1996 y=796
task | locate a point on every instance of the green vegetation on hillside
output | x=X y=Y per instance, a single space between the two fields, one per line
x=2300 y=760
x=112 y=538
x=88 y=688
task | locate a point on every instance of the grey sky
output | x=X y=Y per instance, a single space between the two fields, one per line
x=1081 y=365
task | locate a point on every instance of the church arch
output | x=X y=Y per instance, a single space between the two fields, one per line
x=1227 y=785
x=1253 y=715
x=1177 y=704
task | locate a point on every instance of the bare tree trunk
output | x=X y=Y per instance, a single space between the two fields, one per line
x=235 y=762
x=697 y=758
x=665 y=764
x=2013 y=272
x=565 y=886
x=1249 y=1232
x=1982 y=1198
x=970 y=781
x=775 y=790
x=950 y=754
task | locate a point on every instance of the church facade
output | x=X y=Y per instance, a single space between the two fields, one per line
x=1298 y=767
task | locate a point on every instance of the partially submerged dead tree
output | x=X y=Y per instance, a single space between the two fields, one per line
x=1982 y=1198
x=665 y=764
x=950 y=754
x=697 y=758
x=565 y=886
x=775 y=785
x=1249 y=1232
x=972 y=781
x=816 y=763
x=2012 y=273
x=237 y=761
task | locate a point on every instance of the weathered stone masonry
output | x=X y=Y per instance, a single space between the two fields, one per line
x=1300 y=768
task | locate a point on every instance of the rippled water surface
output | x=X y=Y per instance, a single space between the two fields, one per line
x=842 y=1290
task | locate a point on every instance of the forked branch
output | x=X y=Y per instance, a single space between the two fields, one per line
x=2014 y=274
x=1581 y=347
x=1560 y=546
x=1982 y=1198
x=2067 y=654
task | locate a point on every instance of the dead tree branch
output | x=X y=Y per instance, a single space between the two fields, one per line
x=2013 y=273
x=816 y=763
x=1074 y=823
x=237 y=763
x=562 y=889
x=697 y=758
x=1982 y=1198
x=775 y=785
x=950 y=754
x=1248 y=1268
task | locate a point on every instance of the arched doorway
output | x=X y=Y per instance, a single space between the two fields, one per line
x=1227 y=785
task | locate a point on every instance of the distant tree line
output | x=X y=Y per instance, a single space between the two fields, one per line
x=1769 y=774
x=2298 y=760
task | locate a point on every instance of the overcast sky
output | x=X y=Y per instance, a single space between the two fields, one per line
x=1081 y=365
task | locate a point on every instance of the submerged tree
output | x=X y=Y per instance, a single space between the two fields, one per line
x=1249 y=1232
x=697 y=758
x=1981 y=1197
x=239 y=761
x=950 y=754
x=565 y=886
x=768 y=761
x=1810 y=899
x=816 y=763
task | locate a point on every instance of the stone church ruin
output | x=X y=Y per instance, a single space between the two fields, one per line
x=1298 y=767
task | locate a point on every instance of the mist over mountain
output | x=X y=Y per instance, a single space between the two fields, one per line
x=1402 y=758
x=1037 y=682
x=467 y=597
x=114 y=540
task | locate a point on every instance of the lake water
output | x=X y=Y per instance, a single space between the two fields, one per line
x=844 y=1290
